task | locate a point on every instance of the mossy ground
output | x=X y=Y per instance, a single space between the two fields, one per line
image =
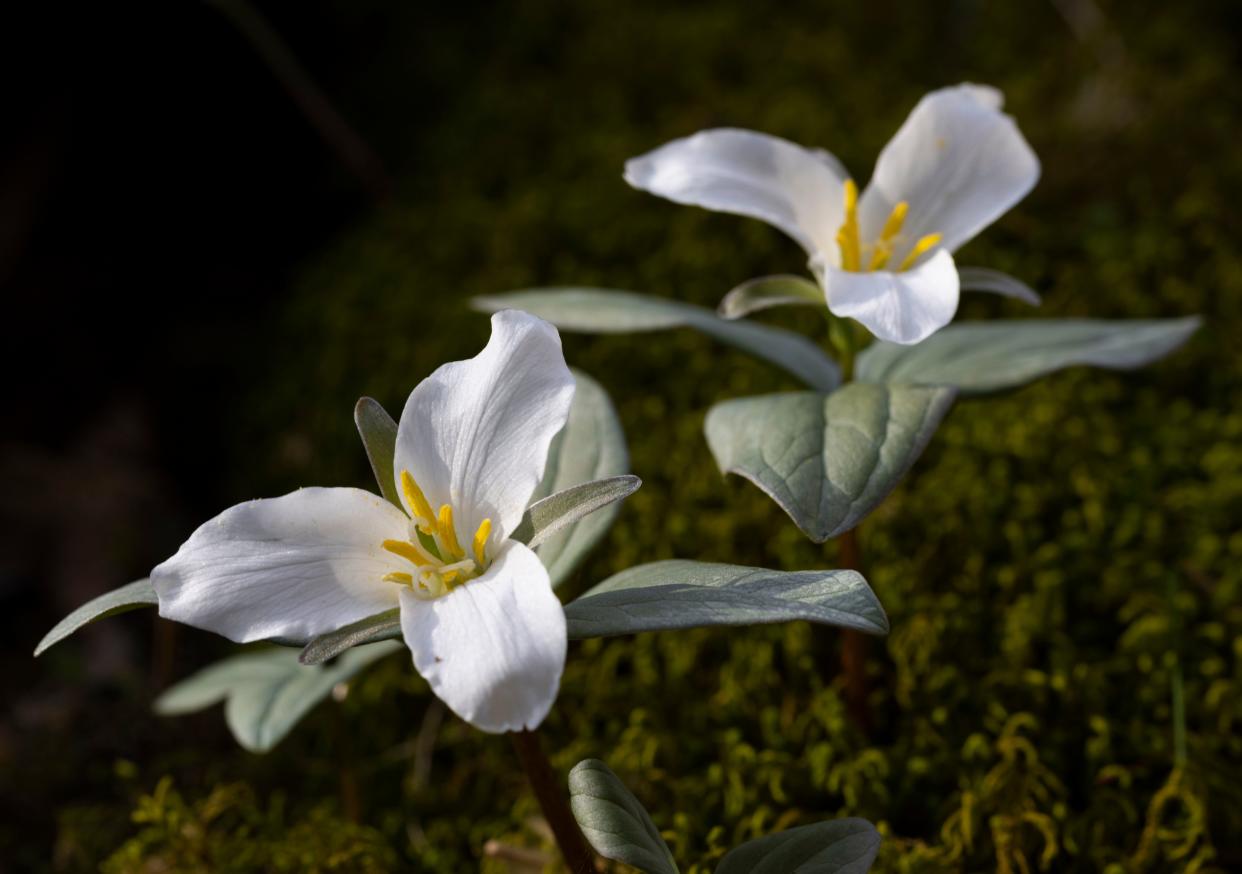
x=1052 y=557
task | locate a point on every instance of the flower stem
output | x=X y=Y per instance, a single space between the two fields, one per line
x=548 y=790
x=854 y=644
x=844 y=343
x=843 y=340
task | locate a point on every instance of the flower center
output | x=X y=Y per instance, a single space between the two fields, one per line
x=439 y=562
x=854 y=254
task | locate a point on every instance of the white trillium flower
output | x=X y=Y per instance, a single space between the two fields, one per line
x=885 y=257
x=477 y=609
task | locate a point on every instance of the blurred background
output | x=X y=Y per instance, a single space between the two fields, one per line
x=221 y=223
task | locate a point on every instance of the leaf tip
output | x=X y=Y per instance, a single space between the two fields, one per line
x=728 y=308
x=364 y=405
x=586 y=765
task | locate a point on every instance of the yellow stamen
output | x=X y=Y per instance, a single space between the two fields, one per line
x=403 y=579
x=448 y=535
x=892 y=227
x=414 y=496
x=922 y=246
x=848 y=237
x=448 y=576
x=480 y=541
x=407 y=550
x=897 y=218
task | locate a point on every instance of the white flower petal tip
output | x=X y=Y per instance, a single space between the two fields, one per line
x=493 y=649
x=987 y=95
x=905 y=307
x=290 y=567
x=957 y=161
x=743 y=172
x=475 y=434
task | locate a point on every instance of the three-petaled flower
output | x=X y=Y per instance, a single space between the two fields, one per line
x=477 y=609
x=882 y=257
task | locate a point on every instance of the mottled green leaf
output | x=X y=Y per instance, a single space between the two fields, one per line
x=602 y=311
x=689 y=594
x=614 y=822
x=827 y=460
x=989 y=356
x=139 y=593
x=267 y=692
x=770 y=291
x=843 y=846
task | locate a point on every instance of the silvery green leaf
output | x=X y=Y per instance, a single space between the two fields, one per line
x=769 y=291
x=267 y=692
x=602 y=311
x=139 y=593
x=689 y=594
x=980 y=357
x=379 y=437
x=827 y=460
x=843 y=846
x=381 y=626
x=555 y=513
x=614 y=822
x=590 y=447
x=996 y=282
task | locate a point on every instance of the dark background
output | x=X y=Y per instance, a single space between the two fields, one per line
x=197 y=287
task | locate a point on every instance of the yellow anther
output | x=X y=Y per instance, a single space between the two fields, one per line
x=414 y=496
x=897 y=218
x=848 y=236
x=480 y=541
x=922 y=246
x=408 y=550
x=403 y=579
x=448 y=535
x=892 y=227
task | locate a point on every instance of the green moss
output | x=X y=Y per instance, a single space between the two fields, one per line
x=229 y=830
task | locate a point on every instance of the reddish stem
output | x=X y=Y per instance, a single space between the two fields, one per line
x=854 y=645
x=543 y=780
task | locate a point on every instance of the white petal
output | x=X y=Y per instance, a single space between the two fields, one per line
x=899 y=307
x=493 y=649
x=475 y=434
x=989 y=96
x=957 y=161
x=289 y=567
x=752 y=174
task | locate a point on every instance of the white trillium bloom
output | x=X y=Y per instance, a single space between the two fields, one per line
x=477 y=609
x=955 y=166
